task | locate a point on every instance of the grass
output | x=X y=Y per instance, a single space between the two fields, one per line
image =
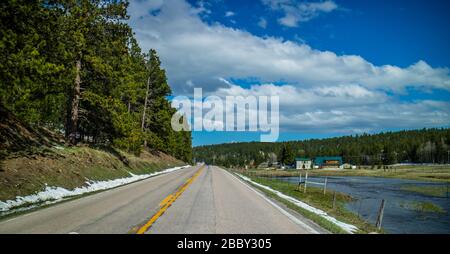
x=319 y=220
x=434 y=191
x=315 y=197
x=71 y=167
x=439 y=173
x=423 y=207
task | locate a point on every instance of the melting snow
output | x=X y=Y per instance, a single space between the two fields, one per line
x=347 y=227
x=58 y=193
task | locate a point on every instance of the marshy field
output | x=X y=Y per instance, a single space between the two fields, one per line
x=417 y=196
x=413 y=172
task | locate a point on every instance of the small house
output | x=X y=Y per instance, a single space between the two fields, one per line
x=303 y=163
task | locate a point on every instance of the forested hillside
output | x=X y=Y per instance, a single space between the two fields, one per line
x=413 y=146
x=75 y=68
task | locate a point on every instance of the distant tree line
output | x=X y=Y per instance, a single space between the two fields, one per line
x=74 y=66
x=412 y=146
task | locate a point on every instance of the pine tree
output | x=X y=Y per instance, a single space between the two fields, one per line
x=75 y=65
x=29 y=74
x=95 y=37
x=287 y=156
x=157 y=88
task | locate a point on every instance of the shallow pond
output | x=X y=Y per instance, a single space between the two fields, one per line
x=399 y=217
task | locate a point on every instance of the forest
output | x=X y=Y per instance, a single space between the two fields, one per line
x=75 y=68
x=409 y=146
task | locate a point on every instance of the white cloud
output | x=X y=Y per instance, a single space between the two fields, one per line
x=262 y=23
x=325 y=90
x=229 y=14
x=141 y=8
x=347 y=109
x=202 y=8
x=296 y=12
x=194 y=50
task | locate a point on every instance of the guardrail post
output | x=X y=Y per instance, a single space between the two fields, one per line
x=325 y=186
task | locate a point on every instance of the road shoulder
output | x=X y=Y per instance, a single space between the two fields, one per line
x=292 y=214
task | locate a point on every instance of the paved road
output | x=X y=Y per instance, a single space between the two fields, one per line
x=191 y=200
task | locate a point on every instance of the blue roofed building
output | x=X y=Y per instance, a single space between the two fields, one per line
x=318 y=162
x=328 y=161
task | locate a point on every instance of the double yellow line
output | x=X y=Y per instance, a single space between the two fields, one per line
x=168 y=201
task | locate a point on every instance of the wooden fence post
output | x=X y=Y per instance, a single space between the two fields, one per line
x=300 y=181
x=380 y=214
x=306 y=181
x=334 y=200
x=447 y=189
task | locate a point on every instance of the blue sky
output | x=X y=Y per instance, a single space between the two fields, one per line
x=383 y=31
x=340 y=67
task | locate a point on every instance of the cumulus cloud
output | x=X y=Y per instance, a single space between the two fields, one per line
x=194 y=50
x=295 y=12
x=351 y=120
x=324 y=89
x=142 y=8
x=347 y=109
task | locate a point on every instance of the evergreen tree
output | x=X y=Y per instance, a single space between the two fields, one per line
x=287 y=156
x=30 y=75
x=74 y=65
x=416 y=146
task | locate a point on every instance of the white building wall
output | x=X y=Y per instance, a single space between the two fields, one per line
x=307 y=164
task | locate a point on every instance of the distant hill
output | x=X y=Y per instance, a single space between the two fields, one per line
x=413 y=146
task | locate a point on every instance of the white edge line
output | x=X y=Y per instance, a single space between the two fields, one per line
x=283 y=211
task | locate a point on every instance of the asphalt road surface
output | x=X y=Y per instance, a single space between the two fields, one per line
x=200 y=199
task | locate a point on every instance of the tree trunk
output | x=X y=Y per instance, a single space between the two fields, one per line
x=145 y=104
x=73 y=125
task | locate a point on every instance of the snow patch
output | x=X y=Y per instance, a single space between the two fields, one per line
x=51 y=193
x=347 y=227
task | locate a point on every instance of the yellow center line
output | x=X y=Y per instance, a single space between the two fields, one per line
x=168 y=201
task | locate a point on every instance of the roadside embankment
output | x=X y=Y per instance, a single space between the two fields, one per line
x=36 y=165
x=75 y=167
